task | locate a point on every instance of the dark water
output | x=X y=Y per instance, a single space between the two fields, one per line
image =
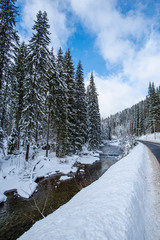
x=17 y=215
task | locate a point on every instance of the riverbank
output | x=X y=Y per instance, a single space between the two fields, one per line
x=120 y=205
x=18 y=214
x=16 y=173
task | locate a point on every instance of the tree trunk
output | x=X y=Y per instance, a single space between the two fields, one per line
x=18 y=129
x=36 y=135
x=27 y=152
x=47 y=148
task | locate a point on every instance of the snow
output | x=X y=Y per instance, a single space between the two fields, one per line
x=117 y=206
x=16 y=173
x=154 y=137
x=63 y=178
x=2 y=198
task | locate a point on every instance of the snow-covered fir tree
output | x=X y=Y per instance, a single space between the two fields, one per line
x=154 y=111
x=141 y=118
x=44 y=101
x=38 y=57
x=6 y=107
x=94 y=121
x=81 y=107
x=71 y=106
x=50 y=87
x=55 y=100
x=13 y=141
x=19 y=77
x=61 y=108
x=8 y=40
x=35 y=83
x=2 y=138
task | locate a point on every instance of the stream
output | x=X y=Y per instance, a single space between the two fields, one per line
x=18 y=214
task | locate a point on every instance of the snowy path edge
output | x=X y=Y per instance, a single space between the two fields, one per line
x=110 y=208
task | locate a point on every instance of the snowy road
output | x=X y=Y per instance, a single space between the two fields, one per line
x=154 y=147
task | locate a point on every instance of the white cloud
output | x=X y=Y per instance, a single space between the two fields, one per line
x=145 y=66
x=114 y=95
x=57 y=20
x=111 y=28
x=129 y=40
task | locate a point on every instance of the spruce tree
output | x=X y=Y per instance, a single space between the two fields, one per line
x=19 y=76
x=153 y=108
x=6 y=107
x=81 y=108
x=34 y=99
x=8 y=39
x=13 y=141
x=143 y=117
x=71 y=107
x=61 y=108
x=2 y=137
x=158 y=109
x=38 y=57
x=51 y=82
x=94 y=122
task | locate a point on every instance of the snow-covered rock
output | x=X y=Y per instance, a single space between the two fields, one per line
x=16 y=173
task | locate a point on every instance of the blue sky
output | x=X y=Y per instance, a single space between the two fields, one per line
x=82 y=47
x=119 y=40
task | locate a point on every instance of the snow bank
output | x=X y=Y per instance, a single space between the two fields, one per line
x=16 y=173
x=154 y=137
x=111 y=208
x=2 y=198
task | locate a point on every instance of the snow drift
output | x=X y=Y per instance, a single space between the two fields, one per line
x=110 y=208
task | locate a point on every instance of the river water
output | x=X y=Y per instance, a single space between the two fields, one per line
x=17 y=214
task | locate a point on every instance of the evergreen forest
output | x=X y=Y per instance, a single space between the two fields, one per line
x=141 y=119
x=43 y=98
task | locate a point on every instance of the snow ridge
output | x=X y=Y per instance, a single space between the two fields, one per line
x=110 y=208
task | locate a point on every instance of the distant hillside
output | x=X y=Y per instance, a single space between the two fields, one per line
x=141 y=118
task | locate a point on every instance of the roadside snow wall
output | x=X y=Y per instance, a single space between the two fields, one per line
x=112 y=208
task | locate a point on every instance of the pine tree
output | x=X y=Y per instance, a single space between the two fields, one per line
x=71 y=107
x=94 y=122
x=61 y=107
x=142 y=118
x=81 y=107
x=56 y=103
x=8 y=39
x=153 y=107
x=38 y=57
x=13 y=141
x=34 y=99
x=146 y=115
x=51 y=82
x=19 y=73
x=5 y=107
x=2 y=137
x=158 y=109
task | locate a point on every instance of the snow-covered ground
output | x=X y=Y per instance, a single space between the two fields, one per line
x=121 y=205
x=154 y=137
x=16 y=173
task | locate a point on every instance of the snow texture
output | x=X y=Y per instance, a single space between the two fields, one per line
x=115 y=207
x=154 y=137
x=16 y=173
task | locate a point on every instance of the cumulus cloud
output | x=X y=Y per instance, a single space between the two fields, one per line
x=115 y=32
x=114 y=94
x=129 y=40
x=57 y=20
x=144 y=67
